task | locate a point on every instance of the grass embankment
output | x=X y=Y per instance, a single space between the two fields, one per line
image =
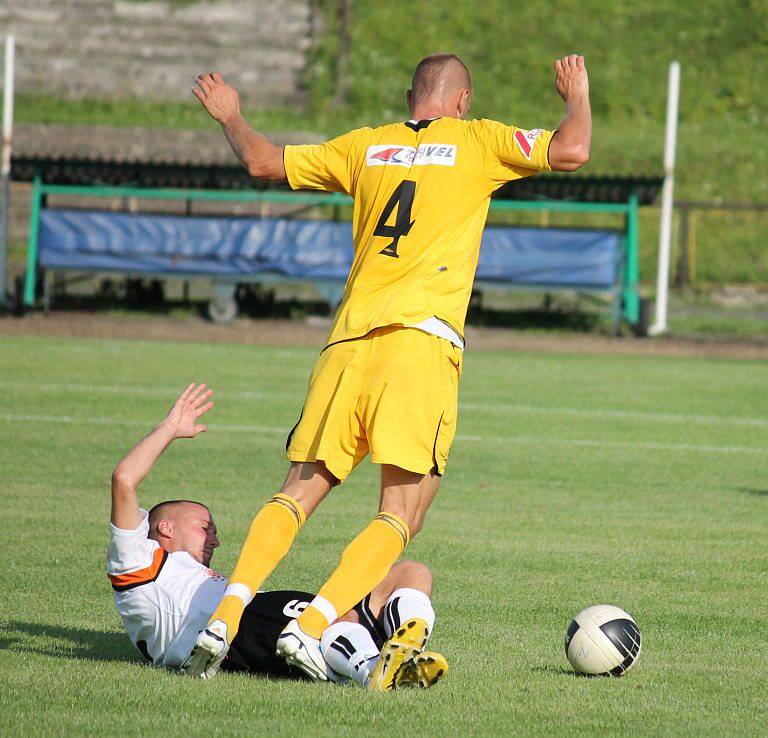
x=723 y=112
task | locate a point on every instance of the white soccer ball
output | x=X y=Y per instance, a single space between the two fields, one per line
x=603 y=639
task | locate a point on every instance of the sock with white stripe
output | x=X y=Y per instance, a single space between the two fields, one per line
x=269 y=539
x=406 y=603
x=350 y=651
x=363 y=565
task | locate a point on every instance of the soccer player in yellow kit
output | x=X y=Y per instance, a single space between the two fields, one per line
x=387 y=381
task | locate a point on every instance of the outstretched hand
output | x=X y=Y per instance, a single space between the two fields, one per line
x=219 y=99
x=192 y=404
x=571 y=80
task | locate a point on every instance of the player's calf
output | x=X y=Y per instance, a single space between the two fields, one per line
x=349 y=652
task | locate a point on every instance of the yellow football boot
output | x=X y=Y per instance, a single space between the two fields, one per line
x=405 y=644
x=423 y=670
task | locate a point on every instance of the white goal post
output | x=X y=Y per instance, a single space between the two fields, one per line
x=665 y=234
x=5 y=167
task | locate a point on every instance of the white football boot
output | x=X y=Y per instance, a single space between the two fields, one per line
x=209 y=651
x=301 y=650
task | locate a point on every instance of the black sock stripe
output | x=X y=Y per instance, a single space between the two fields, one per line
x=343 y=651
x=401 y=526
x=366 y=608
x=396 y=525
x=344 y=641
x=390 y=621
x=373 y=625
x=366 y=660
x=288 y=506
x=396 y=612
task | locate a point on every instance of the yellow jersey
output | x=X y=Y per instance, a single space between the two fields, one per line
x=421 y=193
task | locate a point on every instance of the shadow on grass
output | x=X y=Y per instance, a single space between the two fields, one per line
x=40 y=639
x=535 y=318
x=754 y=491
x=563 y=671
x=66 y=642
x=148 y=297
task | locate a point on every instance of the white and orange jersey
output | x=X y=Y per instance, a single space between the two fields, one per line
x=165 y=599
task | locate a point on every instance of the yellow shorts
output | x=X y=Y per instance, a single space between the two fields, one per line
x=393 y=392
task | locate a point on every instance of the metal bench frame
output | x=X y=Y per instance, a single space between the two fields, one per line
x=626 y=297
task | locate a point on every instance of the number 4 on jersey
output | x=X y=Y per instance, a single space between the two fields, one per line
x=402 y=199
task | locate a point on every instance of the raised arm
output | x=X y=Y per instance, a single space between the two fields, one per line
x=569 y=148
x=181 y=422
x=255 y=151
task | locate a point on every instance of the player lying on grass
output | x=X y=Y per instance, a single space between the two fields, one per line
x=387 y=381
x=165 y=590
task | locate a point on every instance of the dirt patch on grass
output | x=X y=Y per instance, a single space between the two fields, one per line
x=313 y=332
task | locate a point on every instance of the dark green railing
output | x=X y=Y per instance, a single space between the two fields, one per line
x=40 y=192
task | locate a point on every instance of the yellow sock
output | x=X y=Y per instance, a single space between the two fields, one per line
x=363 y=565
x=269 y=539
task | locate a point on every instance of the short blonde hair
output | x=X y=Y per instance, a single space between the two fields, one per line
x=428 y=71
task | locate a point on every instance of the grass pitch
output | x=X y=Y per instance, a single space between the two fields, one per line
x=641 y=482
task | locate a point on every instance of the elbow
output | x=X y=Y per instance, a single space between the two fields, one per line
x=267 y=165
x=118 y=477
x=255 y=169
x=262 y=170
x=121 y=480
x=573 y=159
x=580 y=157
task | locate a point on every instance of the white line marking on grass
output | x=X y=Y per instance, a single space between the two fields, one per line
x=633 y=414
x=617 y=444
x=70 y=419
x=116 y=389
x=273 y=430
x=168 y=392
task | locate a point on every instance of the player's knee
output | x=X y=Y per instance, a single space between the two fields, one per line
x=308 y=484
x=416 y=522
x=413 y=520
x=415 y=575
x=415 y=525
x=350 y=616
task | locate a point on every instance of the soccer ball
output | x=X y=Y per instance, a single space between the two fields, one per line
x=602 y=639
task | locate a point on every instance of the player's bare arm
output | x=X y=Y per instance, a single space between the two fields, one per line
x=569 y=149
x=256 y=152
x=182 y=421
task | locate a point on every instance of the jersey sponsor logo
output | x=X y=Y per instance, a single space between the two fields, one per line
x=525 y=140
x=380 y=155
x=408 y=156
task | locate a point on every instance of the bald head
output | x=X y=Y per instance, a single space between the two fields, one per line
x=184 y=525
x=439 y=80
x=172 y=510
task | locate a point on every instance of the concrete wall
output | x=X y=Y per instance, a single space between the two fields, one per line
x=154 y=49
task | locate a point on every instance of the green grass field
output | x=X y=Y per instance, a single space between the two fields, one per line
x=574 y=480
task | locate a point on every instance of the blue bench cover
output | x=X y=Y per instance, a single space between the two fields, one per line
x=232 y=248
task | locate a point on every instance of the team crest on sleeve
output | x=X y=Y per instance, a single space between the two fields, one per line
x=408 y=156
x=525 y=140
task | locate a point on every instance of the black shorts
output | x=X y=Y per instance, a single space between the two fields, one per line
x=253 y=650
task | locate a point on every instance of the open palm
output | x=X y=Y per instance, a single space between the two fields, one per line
x=192 y=404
